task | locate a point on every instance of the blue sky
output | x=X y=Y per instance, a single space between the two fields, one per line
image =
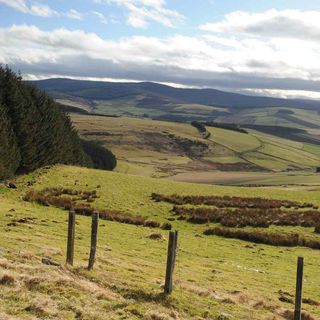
x=257 y=47
x=195 y=13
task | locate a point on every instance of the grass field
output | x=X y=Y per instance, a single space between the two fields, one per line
x=124 y=107
x=236 y=141
x=274 y=116
x=160 y=107
x=78 y=104
x=224 y=278
x=250 y=178
x=166 y=149
x=315 y=149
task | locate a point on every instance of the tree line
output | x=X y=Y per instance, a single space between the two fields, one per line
x=34 y=132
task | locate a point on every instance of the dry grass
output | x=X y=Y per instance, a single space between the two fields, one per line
x=274 y=239
x=242 y=217
x=153 y=315
x=156 y=236
x=67 y=199
x=232 y=202
x=7 y=280
x=240 y=212
x=289 y=315
x=166 y=226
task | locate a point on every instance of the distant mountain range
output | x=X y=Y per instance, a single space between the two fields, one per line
x=161 y=102
x=155 y=93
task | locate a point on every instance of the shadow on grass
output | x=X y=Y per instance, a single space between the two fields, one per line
x=143 y=296
x=138 y=295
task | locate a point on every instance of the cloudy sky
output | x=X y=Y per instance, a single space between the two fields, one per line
x=269 y=47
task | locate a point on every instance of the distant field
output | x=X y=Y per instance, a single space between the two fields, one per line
x=166 y=149
x=250 y=178
x=236 y=141
x=274 y=116
x=315 y=149
x=124 y=107
x=222 y=277
x=78 y=104
x=131 y=107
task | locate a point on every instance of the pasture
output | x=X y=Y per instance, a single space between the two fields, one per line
x=224 y=278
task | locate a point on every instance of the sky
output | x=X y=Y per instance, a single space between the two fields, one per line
x=263 y=47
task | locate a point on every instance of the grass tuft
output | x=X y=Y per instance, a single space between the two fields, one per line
x=7 y=280
x=274 y=239
x=228 y=201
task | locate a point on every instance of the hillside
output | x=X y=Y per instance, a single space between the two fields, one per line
x=167 y=149
x=167 y=103
x=243 y=281
x=94 y=90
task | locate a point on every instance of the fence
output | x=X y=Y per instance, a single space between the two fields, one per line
x=171 y=258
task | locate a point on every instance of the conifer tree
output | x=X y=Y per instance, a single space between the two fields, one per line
x=9 y=152
x=35 y=132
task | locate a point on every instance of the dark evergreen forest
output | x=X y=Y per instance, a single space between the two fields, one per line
x=34 y=132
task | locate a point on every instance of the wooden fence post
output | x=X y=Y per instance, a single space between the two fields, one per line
x=94 y=238
x=175 y=248
x=71 y=234
x=297 y=310
x=172 y=244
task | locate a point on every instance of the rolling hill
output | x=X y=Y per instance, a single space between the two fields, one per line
x=282 y=144
x=177 y=150
x=163 y=102
x=94 y=90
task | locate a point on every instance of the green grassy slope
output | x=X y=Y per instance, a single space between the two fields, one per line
x=162 y=149
x=220 y=277
x=236 y=141
x=275 y=116
x=315 y=149
x=183 y=111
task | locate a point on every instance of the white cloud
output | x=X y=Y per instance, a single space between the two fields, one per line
x=103 y=19
x=292 y=24
x=42 y=11
x=19 y=5
x=39 y=9
x=210 y=60
x=32 y=77
x=141 y=12
x=286 y=94
x=74 y=14
x=36 y=9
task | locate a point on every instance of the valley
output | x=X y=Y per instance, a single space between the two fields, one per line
x=147 y=126
x=178 y=151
